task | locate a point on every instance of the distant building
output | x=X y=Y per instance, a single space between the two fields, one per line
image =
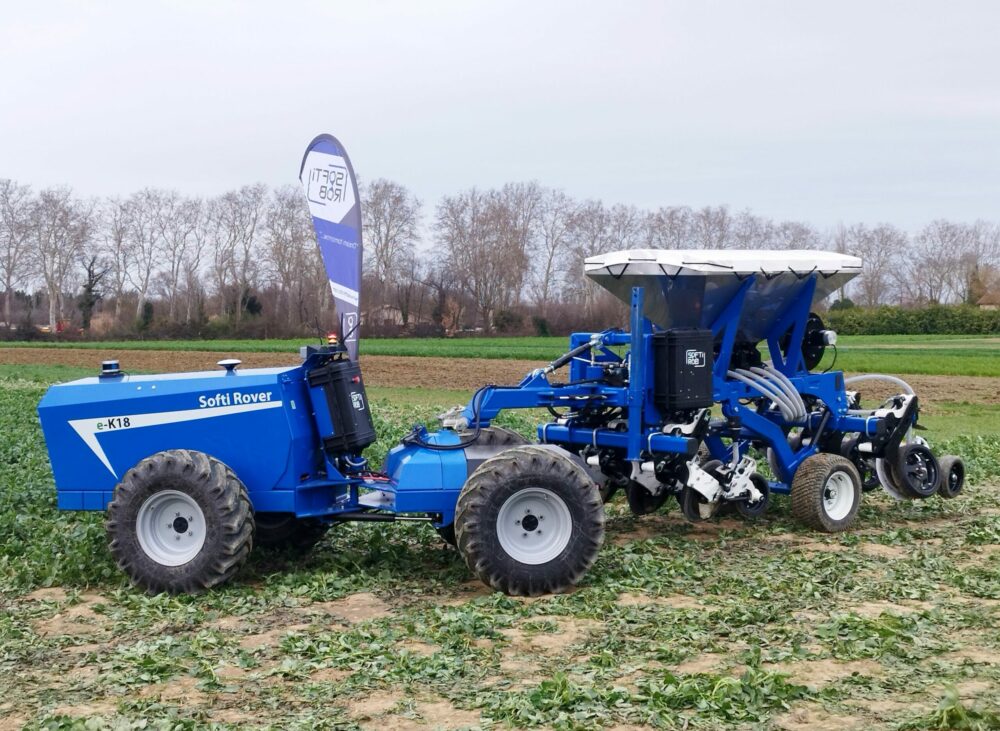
x=989 y=301
x=389 y=315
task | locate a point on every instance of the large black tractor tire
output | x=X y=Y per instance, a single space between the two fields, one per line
x=284 y=530
x=180 y=522
x=494 y=436
x=530 y=521
x=826 y=493
x=491 y=436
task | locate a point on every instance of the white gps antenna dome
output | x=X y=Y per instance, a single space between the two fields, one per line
x=230 y=365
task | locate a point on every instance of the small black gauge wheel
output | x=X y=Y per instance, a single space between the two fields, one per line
x=952 y=476
x=917 y=470
x=756 y=509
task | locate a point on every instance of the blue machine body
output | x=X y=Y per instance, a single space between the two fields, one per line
x=98 y=428
x=268 y=425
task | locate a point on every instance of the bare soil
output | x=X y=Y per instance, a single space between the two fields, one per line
x=812 y=717
x=355 y=608
x=818 y=673
x=464 y=374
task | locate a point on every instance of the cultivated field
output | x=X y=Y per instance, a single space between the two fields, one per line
x=721 y=625
x=965 y=355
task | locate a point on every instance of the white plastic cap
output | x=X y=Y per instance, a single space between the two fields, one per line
x=229 y=364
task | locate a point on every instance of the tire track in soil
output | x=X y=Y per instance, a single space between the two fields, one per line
x=463 y=374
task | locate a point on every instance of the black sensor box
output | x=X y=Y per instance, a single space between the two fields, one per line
x=347 y=403
x=682 y=363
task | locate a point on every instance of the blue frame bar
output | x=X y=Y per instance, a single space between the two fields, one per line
x=637 y=376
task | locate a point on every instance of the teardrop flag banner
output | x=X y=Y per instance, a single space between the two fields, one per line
x=332 y=191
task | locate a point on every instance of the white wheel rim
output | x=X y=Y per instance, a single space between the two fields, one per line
x=534 y=526
x=170 y=527
x=838 y=495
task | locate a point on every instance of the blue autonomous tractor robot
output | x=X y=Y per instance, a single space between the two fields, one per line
x=715 y=378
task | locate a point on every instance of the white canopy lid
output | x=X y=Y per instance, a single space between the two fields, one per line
x=740 y=261
x=689 y=287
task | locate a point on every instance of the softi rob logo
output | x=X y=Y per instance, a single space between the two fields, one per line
x=328 y=184
x=329 y=189
x=695 y=358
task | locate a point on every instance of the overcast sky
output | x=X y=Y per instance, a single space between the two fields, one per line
x=822 y=112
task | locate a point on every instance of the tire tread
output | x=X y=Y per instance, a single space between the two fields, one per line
x=473 y=530
x=807 y=491
x=228 y=498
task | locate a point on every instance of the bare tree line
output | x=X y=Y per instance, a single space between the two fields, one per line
x=196 y=259
x=520 y=248
x=245 y=262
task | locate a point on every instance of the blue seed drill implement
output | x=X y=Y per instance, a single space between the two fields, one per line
x=715 y=378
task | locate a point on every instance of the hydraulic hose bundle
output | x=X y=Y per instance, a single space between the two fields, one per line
x=776 y=387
